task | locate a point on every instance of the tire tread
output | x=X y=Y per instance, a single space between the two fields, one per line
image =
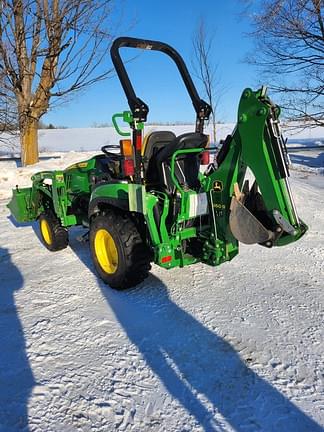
x=136 y=252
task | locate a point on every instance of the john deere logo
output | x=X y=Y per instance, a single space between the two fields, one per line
x=218 y=186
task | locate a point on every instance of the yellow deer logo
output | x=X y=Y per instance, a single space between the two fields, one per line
x=218 y=186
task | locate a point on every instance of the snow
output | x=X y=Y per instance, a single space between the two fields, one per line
x=92 y=139
x=68 y=146
x=12 y=173
x=233 y=348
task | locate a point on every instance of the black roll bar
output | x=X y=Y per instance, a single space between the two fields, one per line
x=138 y=107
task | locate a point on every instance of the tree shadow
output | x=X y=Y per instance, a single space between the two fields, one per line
x=196 y=366
x=304 y=142
x=16 y=377
x=307 y=160
x=17 y=160
x=16 y=224
x=34 y=225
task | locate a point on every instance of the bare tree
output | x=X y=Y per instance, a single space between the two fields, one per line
x=205 y=69
x=8 y=112
x=48 y=49
x=289 y=38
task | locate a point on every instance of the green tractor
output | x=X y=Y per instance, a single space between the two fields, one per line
x=152 y=199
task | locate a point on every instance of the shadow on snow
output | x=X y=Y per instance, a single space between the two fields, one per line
x=16 y=378
x=308 y=160
x=193 y=362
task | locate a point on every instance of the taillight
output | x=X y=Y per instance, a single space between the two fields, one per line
x=128 y=167
x=166 y=259
x=127 y=163
x=126 y=147
x=205 y=158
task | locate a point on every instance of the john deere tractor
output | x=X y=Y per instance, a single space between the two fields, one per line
x=155 y=198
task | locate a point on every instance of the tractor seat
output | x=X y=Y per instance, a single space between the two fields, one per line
x=154 y=142
x=186 y=167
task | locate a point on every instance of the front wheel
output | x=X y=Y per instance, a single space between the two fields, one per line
x=120 y=255
x=54 y=235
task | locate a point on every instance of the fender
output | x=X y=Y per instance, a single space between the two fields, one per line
x=114 y=194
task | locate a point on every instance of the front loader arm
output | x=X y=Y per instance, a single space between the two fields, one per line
x=265 y=213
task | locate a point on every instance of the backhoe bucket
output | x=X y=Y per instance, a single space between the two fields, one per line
x=251 y=222
x=245 y=227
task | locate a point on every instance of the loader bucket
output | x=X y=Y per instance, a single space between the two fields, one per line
x=20 y=206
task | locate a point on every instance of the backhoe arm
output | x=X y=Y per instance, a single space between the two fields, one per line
x=264 y=213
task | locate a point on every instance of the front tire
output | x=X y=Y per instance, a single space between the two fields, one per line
x=54 y=235
x=119 y=253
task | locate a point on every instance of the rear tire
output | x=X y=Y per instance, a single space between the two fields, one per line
x=120 y=255
x=54 y=236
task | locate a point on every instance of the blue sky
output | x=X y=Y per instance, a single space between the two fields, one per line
x=154 y=76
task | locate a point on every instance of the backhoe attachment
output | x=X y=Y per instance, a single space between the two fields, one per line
x=264 y=213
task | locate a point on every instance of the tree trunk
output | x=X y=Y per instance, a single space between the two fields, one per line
x=214 y=127
x=29 y=141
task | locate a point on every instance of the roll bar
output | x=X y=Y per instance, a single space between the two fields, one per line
x=138 y=107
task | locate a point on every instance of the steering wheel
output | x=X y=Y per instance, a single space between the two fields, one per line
x=114 y=156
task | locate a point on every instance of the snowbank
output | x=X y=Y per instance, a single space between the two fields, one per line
x=73 y=145
x=12 y=173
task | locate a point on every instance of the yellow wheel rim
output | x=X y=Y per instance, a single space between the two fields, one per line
x=46 y=232
x=106 y=251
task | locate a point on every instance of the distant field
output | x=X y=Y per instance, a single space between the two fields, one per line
x=92 y=139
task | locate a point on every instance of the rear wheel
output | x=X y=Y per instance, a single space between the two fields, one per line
x=119 y=253
x=54 y=236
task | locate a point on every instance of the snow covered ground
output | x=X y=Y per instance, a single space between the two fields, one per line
x=92 y=139
x=72 y=145
x=233 y=348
